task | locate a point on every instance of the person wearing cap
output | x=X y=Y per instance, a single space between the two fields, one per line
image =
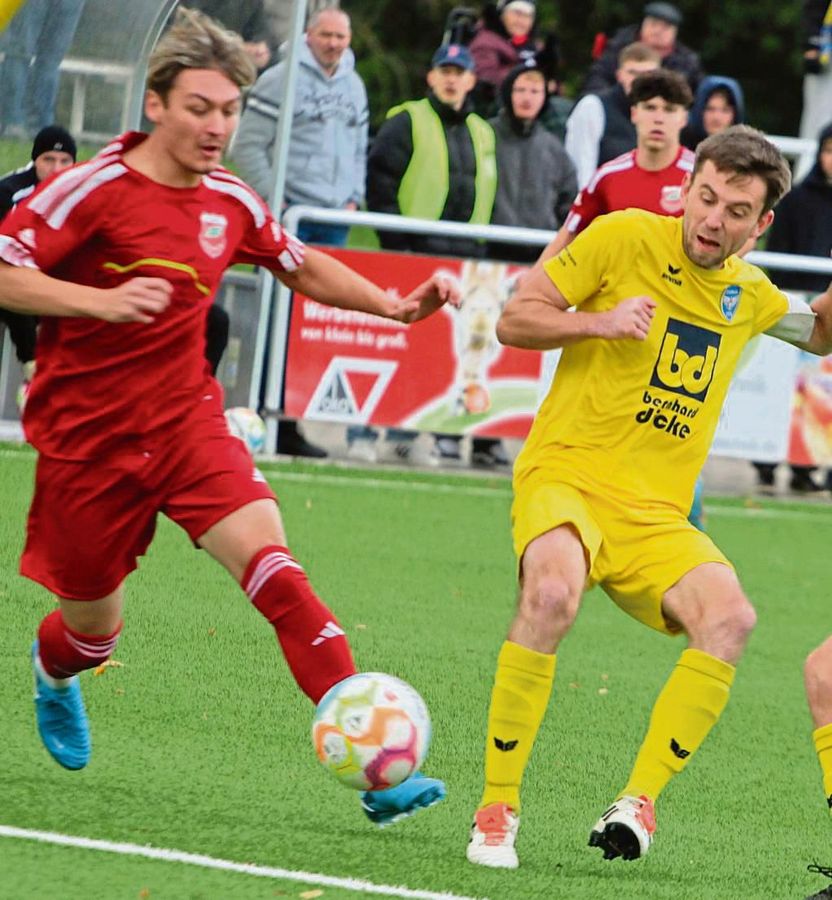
x=659 y=29
x=435 y=159
x=505 y=38
x=52 y=151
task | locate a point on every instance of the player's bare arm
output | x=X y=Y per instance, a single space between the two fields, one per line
x=537 y=317
x=30 y=291
x=558 y=242
x=329 y=281
x=820 y=341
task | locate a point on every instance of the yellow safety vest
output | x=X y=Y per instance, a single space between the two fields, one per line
x=424 y=186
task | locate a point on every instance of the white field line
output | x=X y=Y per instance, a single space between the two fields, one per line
x=225 y=865
x=813 y=512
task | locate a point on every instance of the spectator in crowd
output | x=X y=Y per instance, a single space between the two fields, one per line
x=718 y=105
x=504 y=39
x=649 y=177
x=434 y=159
x=328 y=145
x=600 y=127
x=34 y=46
x=327 y=160
x=803 y=224
x=817 y=56
x=536 y=181
x=658 y=29
x=52 y=151
x=247 y=18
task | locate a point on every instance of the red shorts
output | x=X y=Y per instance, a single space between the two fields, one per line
x=91 y=520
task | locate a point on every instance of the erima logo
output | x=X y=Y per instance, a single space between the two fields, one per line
x=678 y=750
x=505 y=746
x=687 y=360
x=671 y=274
x=330 y=630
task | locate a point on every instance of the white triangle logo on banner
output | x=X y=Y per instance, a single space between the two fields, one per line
x=334 y=399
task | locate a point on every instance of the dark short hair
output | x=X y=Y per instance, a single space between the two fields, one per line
x=727 y=95
x=745 y=152
x=670 y=86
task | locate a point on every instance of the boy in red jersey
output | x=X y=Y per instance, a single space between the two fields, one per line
x=649 y=177
x=124 y=254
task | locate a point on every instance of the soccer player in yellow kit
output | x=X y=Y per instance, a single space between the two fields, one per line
x=602 y=487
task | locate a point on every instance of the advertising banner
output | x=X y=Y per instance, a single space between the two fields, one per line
x=445 y=374
x=810 y=436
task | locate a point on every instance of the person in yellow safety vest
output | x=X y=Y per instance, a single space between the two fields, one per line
x=435 y=159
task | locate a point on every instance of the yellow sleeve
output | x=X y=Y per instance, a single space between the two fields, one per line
x=585 y=265
x=772 y=305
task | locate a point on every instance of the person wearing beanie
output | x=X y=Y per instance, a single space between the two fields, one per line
x=505 y=39
x=53 y=151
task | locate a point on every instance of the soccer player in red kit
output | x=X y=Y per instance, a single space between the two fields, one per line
x=649 y=177
x=123 y=255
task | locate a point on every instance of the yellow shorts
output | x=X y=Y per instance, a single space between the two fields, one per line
x=634 y=553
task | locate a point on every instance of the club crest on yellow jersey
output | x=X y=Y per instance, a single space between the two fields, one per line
x=730 y=300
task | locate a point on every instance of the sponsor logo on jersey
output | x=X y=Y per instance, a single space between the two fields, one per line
x=687 y=360
x=730 y=300
x=212 y=238
x=672 y=275
x=671 y=198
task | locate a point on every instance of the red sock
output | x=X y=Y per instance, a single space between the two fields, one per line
x=64 y=652
x=313 y=643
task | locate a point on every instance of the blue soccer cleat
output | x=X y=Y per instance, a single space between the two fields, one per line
x=406 y=799
x=62 y=719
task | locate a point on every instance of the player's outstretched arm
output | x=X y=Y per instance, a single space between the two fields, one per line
x=329 y=281
x=820 y=341
x=31 y=291
x=537 y=318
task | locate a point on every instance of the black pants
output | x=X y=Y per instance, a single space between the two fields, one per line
x=23 y=331
x=216 y=336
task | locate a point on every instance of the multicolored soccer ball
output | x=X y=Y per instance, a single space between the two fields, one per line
x=371 y=731
x=246 y=425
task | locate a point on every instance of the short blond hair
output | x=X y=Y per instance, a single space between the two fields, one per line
x=197 y=41
x=743 y=151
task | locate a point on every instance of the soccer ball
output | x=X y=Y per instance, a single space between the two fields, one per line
x=246 y=425
x=371 y=731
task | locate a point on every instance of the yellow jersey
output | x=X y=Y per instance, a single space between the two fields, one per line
x=637 y=417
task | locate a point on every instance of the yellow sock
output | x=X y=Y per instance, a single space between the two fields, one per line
x=518 y=702
x=823 y=744
x=688 y=706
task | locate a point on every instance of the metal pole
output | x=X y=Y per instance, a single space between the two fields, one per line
x=279 y=160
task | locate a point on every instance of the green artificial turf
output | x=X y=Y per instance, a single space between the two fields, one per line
x=201 y=741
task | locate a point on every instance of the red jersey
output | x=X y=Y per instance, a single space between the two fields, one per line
x=101 y=385
x=622 y=184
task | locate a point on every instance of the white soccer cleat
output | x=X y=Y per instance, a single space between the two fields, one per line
x=626 y=828
x=492 y=837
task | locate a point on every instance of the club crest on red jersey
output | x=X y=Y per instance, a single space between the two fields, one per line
x=671 y=199
x=212 y=229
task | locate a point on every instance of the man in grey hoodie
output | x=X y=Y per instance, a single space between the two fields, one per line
x=327 y=162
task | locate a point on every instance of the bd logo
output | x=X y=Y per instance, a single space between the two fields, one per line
x=687 y=360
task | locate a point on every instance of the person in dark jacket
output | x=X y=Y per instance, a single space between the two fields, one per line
x=600 y=127
x=53 y=151
x=536 y=180
x=718 y=105
x=658 y=29
x=803 y=225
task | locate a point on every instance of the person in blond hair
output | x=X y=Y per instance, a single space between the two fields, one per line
x=123 y=256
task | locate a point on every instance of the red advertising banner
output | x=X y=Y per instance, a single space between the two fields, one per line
x=447 y=373
x=810 y=436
